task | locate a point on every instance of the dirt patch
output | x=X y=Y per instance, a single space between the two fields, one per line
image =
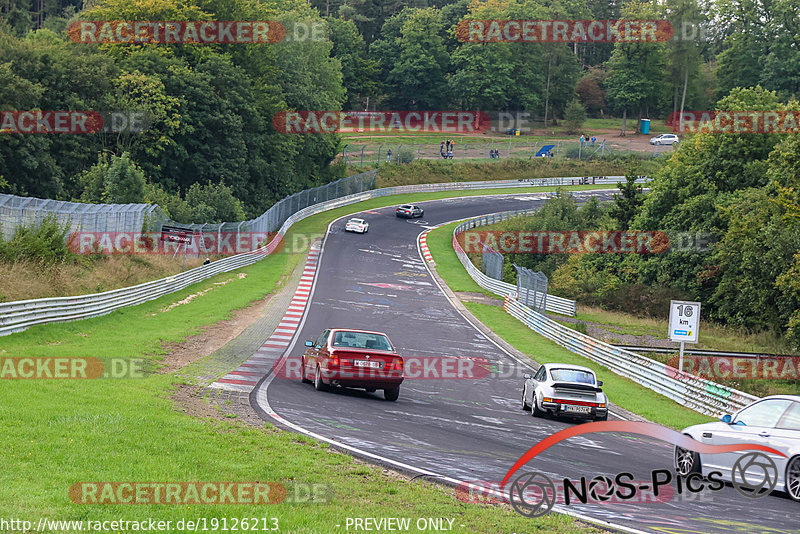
x=211 y=338
x=189 y=399
x=480 y=298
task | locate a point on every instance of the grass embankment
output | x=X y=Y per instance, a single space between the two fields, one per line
x=25 y=279
x=621 y=391
x=432 y=171
x=59 y=432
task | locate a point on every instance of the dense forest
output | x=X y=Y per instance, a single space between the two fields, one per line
x=210 y=137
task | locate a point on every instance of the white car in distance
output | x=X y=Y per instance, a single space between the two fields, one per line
x=664 y=139
x=357 y=225
x=565 y=390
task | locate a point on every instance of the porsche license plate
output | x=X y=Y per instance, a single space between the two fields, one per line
x=577 y=409
x=366 y=363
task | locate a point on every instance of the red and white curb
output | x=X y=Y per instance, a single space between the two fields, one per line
x=423 y=247
x=246 y=376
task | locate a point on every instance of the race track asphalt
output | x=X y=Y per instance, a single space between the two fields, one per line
x=471 y=429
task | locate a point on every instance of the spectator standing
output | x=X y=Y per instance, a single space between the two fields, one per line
x=389 y=156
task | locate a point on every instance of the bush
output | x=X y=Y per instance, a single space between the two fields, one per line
x=574 y=116
x=580 y=326
x=124 y=181
x=406 y=155
x=46 y=243
x=572 y=151
x=213 y=203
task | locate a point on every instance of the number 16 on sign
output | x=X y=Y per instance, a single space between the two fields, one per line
x=684 y=322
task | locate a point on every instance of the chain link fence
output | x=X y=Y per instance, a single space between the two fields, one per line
x=492 y=263
x=18 y=211
x=532 y=289
x=27 y=211
x=271 y=220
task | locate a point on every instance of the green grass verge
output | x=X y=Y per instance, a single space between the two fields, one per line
x=621 y=391
x=59 y=432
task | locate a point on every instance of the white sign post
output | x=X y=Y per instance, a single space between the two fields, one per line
x=684 y=323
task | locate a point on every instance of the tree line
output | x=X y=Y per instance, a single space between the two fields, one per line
x=211 y=106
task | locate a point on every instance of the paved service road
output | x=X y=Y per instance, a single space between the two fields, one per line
x=473 y=429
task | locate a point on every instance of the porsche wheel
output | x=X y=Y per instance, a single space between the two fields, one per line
x=535 y=411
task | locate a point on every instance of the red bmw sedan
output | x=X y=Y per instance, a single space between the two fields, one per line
x=353 y=359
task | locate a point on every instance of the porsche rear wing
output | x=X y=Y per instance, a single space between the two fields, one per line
x=576 y=385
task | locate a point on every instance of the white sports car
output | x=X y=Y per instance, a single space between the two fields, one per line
x=357 y=225
x=565 y=390
x=773 y=421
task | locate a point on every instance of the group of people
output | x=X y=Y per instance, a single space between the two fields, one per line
x=494 y=153
x=446 y=149
x=585 y=140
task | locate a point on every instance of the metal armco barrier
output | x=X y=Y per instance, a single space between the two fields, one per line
x=554 y=304
x=19 y=315
x=698 y=394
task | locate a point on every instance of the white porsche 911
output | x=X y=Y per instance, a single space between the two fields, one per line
x=357 y=225
x=565 y=390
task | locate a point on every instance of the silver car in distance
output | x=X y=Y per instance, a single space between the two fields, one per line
x=773 y=421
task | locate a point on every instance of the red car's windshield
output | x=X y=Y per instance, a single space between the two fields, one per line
x=361 y=340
